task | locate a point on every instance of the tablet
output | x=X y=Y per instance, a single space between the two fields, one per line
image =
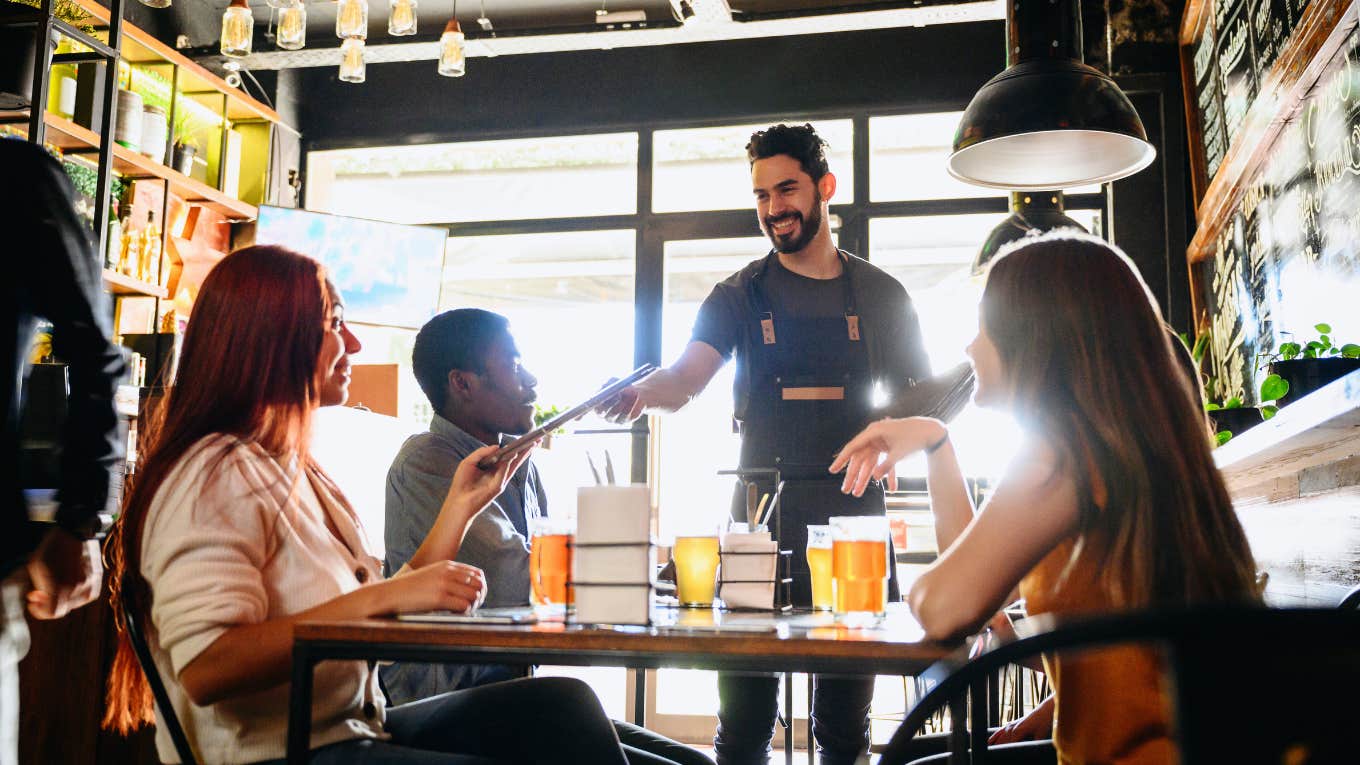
x=601 y=396
x=487 y=616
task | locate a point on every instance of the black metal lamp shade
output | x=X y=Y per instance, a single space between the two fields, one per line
x=1031 y=213
x=1048 y=121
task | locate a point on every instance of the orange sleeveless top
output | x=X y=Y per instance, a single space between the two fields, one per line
x=1110 y=704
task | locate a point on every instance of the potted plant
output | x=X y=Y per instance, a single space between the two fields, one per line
x=187 y=142
x=1305 y=367
x=1231 y=418
x=542 y=415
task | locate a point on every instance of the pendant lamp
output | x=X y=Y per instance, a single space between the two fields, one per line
x=1048 y=121
x=401 y=18
x=452 y=59
x=351 y=19
x=352 y=68
x=1032 y=212
x=291 y=33
x=238 y=26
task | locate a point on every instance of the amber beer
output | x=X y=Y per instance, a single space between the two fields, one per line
x=859 y=564
x=550 y=548
x=696 y=569
x=819 y=564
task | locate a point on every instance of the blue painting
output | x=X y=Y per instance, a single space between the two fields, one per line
x=389 y=273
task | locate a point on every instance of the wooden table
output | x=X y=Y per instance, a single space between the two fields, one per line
x=680 y=638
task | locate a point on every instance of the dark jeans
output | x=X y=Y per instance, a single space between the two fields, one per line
x=537 y=720
x=749 y=703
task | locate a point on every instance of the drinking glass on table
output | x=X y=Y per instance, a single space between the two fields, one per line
x=550 y=551
x=696 y=569
x=819 y=564
x=859 y=565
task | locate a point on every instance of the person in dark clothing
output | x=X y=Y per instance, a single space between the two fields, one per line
x=818 y=335
x=54 y=276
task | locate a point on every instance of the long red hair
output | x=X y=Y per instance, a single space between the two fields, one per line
x=247 y=368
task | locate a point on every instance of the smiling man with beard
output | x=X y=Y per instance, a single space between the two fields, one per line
x=816 y=334
x=469 y=368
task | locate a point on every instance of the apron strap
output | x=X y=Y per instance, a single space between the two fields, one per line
x=762 y=305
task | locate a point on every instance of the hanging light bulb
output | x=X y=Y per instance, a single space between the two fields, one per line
x=401 y=18
x=291 y=33
x=157 y=3
x=238 y=26
x=351 y=19
x=452 y=61
x=352 y=60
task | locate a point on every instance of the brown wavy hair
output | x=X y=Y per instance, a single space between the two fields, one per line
x=247 y=368
x=1093 y=371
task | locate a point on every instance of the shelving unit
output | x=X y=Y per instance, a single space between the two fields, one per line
x=124 y=285
x=77 y=139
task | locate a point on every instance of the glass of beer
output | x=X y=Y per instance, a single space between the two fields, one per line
x=859 y=565
x=696 y=569
x=550 y=549
x=819 y=563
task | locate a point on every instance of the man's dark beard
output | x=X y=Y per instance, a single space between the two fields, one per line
x=809 y=228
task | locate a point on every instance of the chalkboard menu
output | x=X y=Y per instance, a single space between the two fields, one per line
x=1289 y=257
x=1240 y=42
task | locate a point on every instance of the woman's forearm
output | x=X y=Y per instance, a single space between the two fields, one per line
x=446 y=536
x=949 y=497
x=254 y=657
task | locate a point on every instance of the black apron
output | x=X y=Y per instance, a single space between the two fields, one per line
x=811 y=391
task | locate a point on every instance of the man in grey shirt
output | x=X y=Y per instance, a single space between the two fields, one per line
x=468 y=366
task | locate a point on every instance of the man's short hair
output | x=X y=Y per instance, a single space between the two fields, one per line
x=458 y=339
x=802 y=143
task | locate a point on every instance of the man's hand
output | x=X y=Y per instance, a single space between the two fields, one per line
x=66 y=574
x=624 y=406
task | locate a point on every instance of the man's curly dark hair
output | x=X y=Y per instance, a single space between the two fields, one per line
x=801 y=142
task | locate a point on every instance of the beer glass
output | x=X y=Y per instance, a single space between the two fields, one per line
x=819 y=563
x=859 y=564
x=550 y=550
x=696 y=569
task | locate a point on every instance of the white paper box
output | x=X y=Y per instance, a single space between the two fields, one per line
x=613 y=565
x=748 y=579
x=617 y=604
x=613 y=514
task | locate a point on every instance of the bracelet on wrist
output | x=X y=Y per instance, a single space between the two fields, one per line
x=932 y=448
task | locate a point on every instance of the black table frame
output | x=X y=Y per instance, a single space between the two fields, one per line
x=307 y=653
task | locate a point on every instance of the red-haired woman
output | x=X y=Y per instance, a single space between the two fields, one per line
x=1113 y=504
x=233 y=533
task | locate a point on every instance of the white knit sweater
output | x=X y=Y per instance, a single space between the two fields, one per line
x=231 y=539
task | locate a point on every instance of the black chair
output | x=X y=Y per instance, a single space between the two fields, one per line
x=1351 y=601
x=1296 y=704
x=167 y=710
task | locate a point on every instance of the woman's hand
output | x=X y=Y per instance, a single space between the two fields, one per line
x=446 y=585
x=874 y=452
x=473 y=488
x=1036 y=725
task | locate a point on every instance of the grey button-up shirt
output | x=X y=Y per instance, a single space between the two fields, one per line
x=497 y=540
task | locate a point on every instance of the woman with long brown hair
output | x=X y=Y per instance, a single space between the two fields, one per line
x=1114 y=503
x=232 y=533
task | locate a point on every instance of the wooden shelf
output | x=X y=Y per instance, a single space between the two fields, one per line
x=140 y=47
x=77 y=139
x=1318 y=429
x=121 y=284
x=1316 y=39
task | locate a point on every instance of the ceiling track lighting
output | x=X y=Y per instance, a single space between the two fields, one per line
x=1048 y=121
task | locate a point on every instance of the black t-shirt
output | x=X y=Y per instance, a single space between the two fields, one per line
x=888 y=322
